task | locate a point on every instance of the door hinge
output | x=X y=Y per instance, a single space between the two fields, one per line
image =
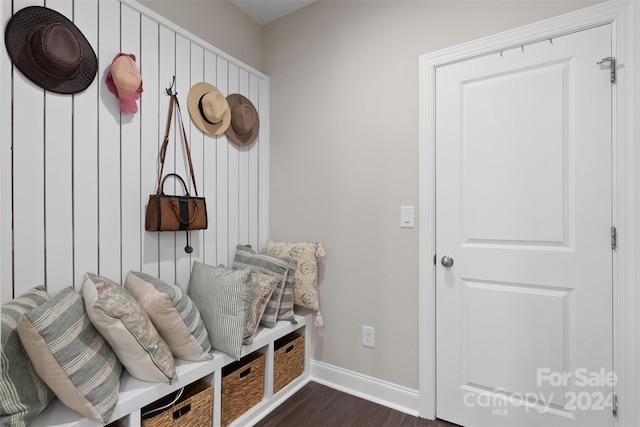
x=612 y=62
x=614 y=237
x=434 y=259
x=614 y=403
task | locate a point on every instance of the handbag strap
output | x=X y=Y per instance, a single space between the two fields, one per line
x=179 y=178
x=165 y=143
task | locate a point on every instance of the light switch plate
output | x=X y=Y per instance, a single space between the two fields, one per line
x=406 y=217
x=368 y=336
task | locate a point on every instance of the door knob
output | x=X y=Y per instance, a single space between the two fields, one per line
x=446 y=261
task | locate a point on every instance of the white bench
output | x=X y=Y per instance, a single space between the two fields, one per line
x=135 y=394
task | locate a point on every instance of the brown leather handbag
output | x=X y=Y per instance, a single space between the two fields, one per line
x=170 y=212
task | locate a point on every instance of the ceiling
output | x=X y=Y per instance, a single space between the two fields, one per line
x=265 y=11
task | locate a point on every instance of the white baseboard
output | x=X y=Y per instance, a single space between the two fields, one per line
x=400 y=398
x=258 y=412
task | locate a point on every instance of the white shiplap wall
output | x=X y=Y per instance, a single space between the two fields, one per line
x=76 y=174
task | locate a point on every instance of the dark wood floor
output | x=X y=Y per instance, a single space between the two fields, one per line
x=316 y=405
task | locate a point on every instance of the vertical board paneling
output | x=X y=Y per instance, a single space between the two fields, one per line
x=6 y=279
x=150 y=135
x=28 y=180
x=210 y=174
x=196 y=139
x=183 y=78
x=130 y=155
x=243 y=171
x=222 y=176
x=109 y=167
x=234 y=171
x=58 y=164
x=76 y=173
x=85 y=158
x=262 y=145
x=167 y=69
x=253 y=170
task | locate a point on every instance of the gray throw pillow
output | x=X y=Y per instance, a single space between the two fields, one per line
x=246 y=257
x=286 y=310
x=24 y=393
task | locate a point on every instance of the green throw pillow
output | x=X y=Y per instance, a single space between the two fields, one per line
x=71 y=356
x=220 y=294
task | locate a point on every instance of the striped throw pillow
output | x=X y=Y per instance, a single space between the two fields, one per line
x=174 y=315
x=246 y=257
x=71 y=356
x=23 y=394
x=220 y=294
x=286 y=310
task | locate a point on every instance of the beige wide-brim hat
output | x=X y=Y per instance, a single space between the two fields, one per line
x=245 y=122
x=208 y=108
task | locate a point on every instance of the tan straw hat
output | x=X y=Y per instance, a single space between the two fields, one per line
x=50 y=50
x=245 y=122
x=208 y=108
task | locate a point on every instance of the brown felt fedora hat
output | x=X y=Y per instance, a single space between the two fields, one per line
x=208 y=108
x=50 y=50
x=245 y=122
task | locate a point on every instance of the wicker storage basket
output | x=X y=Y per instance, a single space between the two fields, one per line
x=194 y=409
x=288 y=360
x=242 y=386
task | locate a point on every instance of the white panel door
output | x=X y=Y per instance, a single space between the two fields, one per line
x=523 y=208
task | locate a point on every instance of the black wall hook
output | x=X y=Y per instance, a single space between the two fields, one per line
x=170 y=91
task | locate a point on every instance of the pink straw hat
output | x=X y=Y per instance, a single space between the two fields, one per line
x=125 y=82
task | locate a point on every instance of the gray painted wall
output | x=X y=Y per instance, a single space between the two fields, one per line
x=344 y=149
x=344 y=156
x=219 y=22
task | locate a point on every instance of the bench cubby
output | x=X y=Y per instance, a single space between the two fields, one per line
x=135 y=394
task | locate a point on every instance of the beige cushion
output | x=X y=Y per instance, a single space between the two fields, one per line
x=174 y=315
x=127 y=327
x=305 y=290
